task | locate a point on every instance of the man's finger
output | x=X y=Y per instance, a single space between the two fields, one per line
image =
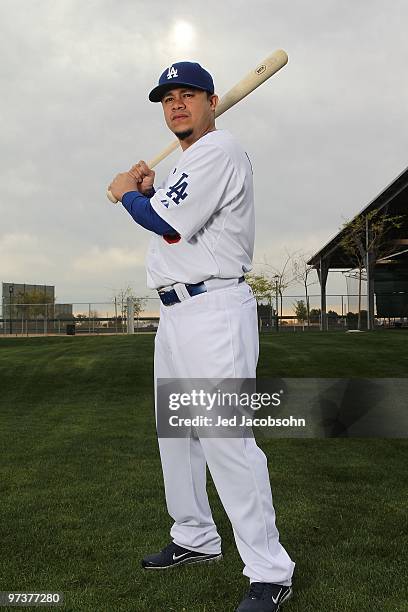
x=145 y=168
x=136 y=171
x=136 y=175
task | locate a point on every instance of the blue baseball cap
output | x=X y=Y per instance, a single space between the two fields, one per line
x=189 y=74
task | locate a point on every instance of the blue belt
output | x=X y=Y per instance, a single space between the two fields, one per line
x=170 y=296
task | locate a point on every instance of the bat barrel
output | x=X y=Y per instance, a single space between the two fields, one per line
x=263 y=71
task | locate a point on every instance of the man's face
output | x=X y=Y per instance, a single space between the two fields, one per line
x=189 y=113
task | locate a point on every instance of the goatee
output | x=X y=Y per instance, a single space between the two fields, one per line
x=183 y=135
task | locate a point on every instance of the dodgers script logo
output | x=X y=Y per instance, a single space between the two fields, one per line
x=178 y=191
x=172 y=72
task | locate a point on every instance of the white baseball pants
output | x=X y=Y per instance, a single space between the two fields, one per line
x=215 y=335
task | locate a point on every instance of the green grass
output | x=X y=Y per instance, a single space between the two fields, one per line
x=82 y=495
x=335 y=354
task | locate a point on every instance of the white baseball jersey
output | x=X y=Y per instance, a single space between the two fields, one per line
x=208 y=200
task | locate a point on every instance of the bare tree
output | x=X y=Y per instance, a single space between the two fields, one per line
x=282 y=277
x=301 y=273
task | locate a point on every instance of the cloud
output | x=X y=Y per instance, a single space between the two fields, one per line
x=20 y=254
x=103 y=262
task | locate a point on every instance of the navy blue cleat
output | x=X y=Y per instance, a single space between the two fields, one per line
x=264 y=597
x=174 y=555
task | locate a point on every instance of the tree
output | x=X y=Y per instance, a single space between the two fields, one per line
x=33 y=304
x=368 y=234
x=120 y=299
x=261 y=285
x=300 y=311
x=301 y=273
x=314 y=314
x=353 y=318
x=281 y=279
x=332 y=314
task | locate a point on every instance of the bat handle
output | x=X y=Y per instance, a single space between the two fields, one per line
x=151 y=164
x=111 y=197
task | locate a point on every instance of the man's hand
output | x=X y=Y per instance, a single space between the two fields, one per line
x=144 y=176
x=123 y=183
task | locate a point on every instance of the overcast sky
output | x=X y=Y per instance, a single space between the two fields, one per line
x=325 y=135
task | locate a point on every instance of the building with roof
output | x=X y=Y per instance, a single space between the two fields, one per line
x=387 y=275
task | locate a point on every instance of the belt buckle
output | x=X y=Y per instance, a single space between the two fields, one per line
x=181 y=291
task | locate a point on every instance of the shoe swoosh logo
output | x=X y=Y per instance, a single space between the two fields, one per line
x=275 y=600
x=175 y=558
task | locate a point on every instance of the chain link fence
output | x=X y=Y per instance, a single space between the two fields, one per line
x=300 y=313
x=79 y=318
x=295 y=313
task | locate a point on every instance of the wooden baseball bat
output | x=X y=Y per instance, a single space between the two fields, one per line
x=269 y=66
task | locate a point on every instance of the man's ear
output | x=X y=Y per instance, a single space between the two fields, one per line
x=214 y=101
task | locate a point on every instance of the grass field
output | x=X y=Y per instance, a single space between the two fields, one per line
x=82 y=496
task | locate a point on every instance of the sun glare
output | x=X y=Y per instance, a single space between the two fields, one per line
x=183 y=34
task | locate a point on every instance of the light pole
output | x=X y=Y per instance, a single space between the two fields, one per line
x=11 y=291
x=276 y=277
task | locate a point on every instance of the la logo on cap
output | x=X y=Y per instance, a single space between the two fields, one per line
x=172 y=72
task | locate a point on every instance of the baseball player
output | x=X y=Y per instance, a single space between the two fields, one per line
x=202 y=224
